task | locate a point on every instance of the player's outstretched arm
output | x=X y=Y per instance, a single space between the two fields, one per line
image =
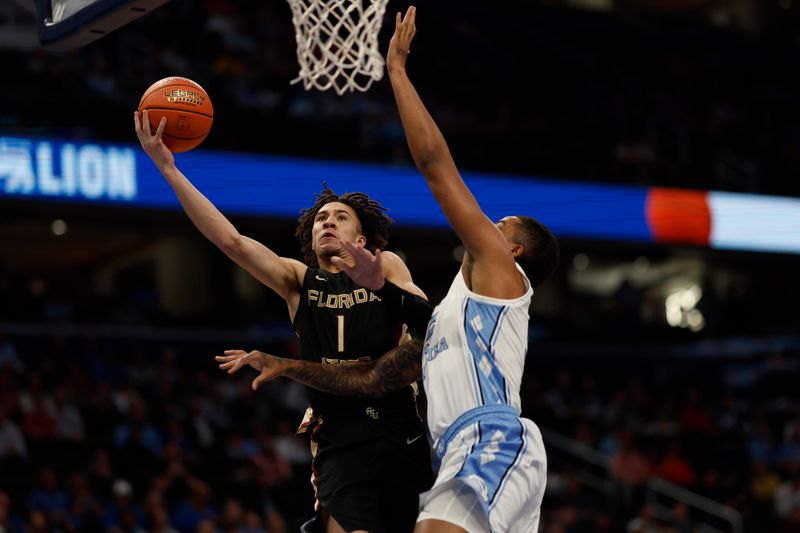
x=432 y=156
x=280 y=274
x=399 y=367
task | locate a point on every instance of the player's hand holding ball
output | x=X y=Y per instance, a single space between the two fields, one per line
x=175 y=115
x=152 y=143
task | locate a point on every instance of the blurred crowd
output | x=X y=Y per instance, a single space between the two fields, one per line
x=724 y=428
x=127 y=435
x=102 y=434
x=526 y=88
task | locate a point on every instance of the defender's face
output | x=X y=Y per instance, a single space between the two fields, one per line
x=508 y=227
x=333 y=223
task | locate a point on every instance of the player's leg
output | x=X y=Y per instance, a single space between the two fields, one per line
x=452 y=507
x=345 y=470
x=346 y=488
x=517 y=504
x=493 y=472
x=406 y=474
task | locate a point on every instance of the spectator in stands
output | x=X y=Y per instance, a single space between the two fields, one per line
x=289 y=445
x=270 y=465
x=85 y=513
x=69 y=422
x=138 y=432
x=681 y=518
x=629 y=467
x=764 y=484
x=235 y=518
x=710 y=485
x=39 y=422
x=789 y=452
x=100 y=476
x=694 y=414
x=49 y=499
x=9 y=522
x=12 y=442
x=38 y=523
x=787 y=497
x=762 y=444
x=8 y=356
x=158 y=520
x=644 y=522
x=196 y=507
x=674 y=467
x=123 y=513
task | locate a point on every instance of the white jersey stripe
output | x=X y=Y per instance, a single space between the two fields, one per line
x=495 y=336
x=496 y=332
x=512 y=466
x=473 y=371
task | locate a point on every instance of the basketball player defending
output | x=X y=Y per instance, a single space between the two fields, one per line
x=364 y=450
x=493 y=466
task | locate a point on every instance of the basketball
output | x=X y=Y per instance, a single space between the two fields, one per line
x=188 y=110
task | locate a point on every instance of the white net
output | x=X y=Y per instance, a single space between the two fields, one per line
x=337 y=43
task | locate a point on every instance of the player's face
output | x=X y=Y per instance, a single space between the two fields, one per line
x=333 y=223
x=508 y=227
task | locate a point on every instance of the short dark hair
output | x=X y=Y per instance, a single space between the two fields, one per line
x=540 y=253
x=371 y=216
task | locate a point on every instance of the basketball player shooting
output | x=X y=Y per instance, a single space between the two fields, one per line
x=492 y=463
x=363 y=449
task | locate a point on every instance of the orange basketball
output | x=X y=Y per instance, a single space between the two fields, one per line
x=188 y=110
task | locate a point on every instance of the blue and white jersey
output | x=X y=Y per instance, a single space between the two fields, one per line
x=474 y=353
x=492 y=465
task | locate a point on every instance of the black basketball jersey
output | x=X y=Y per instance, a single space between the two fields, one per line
x=340 y=322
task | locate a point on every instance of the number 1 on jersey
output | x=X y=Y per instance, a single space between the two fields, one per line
x=340 y=331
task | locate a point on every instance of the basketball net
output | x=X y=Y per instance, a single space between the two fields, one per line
x=337 y=43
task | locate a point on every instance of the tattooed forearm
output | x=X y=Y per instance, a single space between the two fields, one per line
x=397 y=368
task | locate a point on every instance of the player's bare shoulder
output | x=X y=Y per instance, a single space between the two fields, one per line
x=298 y=268
x=392 y=261
x=494 y=275
x=293 y=294
x=396 y=271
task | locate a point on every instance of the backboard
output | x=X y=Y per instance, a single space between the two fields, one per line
x=69 y=24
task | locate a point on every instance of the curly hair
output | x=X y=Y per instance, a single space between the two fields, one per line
x=371 y=216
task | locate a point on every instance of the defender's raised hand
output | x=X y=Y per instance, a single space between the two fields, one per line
x=400 y=45
x=151 y=142
x=269 y=366
x=364 y=268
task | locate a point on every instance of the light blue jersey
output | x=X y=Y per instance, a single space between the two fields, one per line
x=472 y=368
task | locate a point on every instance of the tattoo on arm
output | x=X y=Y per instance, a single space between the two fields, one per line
x=397 y=368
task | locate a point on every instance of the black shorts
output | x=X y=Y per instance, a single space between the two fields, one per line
x=370 y=473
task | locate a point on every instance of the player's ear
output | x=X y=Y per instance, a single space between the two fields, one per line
x=516 y=250
x=361 y=240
